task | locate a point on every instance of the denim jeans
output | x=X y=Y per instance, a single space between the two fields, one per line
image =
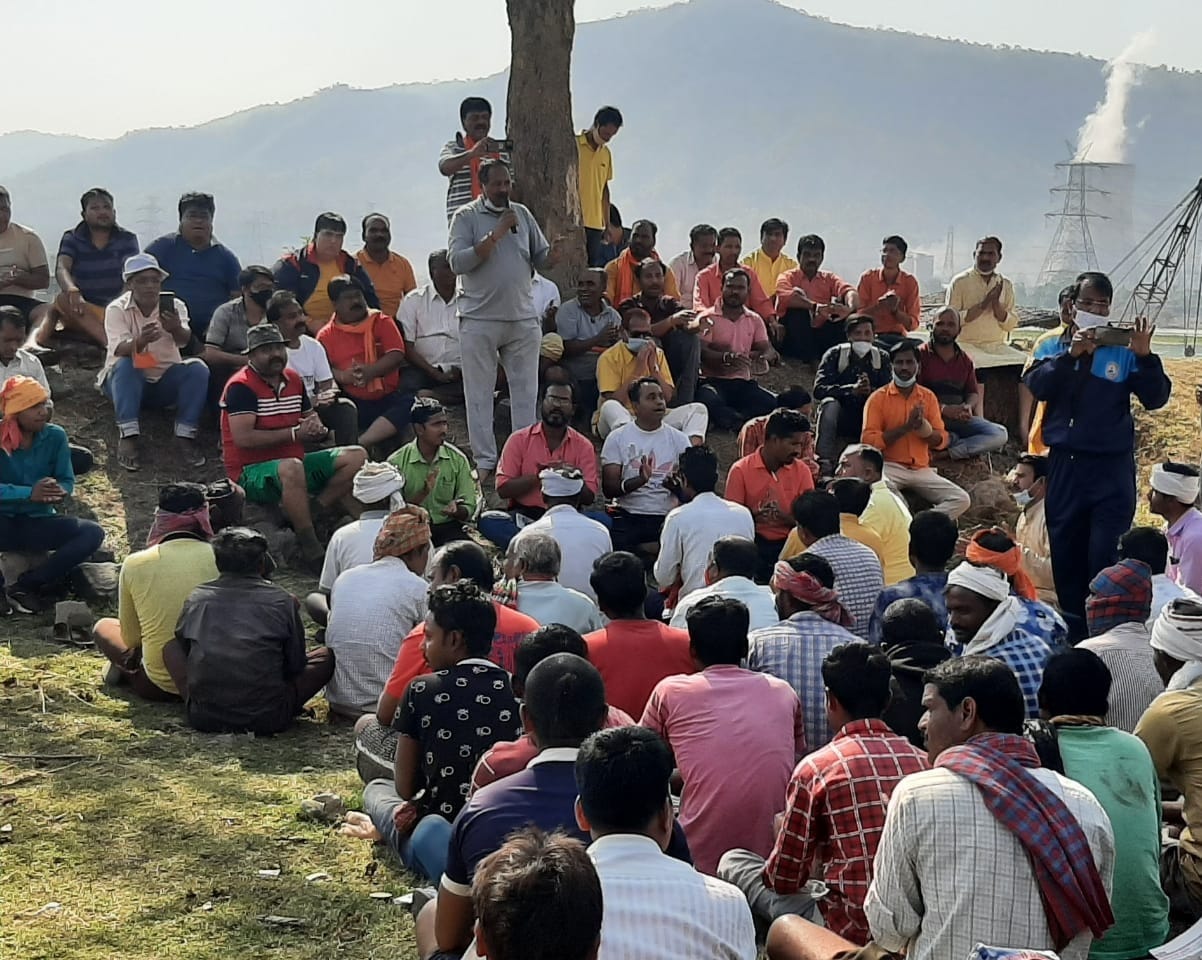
x=183 y=385
x=972 y=437
x=70 y=540
x=424 y=850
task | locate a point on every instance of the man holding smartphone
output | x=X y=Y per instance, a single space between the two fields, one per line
x=145 y=328
x=461 y=158
x=1087 y=388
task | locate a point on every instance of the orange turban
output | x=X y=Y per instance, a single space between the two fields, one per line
x=1010 y=562
x=404 y=530
x=20 y=393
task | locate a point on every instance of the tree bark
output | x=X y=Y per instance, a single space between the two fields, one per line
x=538 y=118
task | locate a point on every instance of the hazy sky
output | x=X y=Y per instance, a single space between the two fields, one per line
x=143 y=63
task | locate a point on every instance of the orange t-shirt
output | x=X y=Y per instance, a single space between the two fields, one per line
x=344 y=347
x=886 y=409
x=769 y=496
x=873 y=286
x=392 y=279
x=511 y=628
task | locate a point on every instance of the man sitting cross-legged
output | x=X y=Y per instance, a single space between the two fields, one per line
x=887 y=511
x=437 y=475
x=637 y=356
x=751 y=434
x=447 y=719
x=154 y=584
x=506 y=758
x=565 y=702
x=375 y=737
x=734 y=350
x=672 y=323
x=366 y=352
x=35 y=475
x=225 y=335
x=589 y=326
x=656 y=908
x=812 y=623
x=265 y=419
x=718 y=713
x=429 y=324
x=847 y=375
x=238 y=655
x=709 y=287
x=730 y=573
x=533 y=560
x=373 y=607
x=144 y=365
x=813 y=304
x=836 y=802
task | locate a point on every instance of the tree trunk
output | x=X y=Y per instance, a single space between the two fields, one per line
x=538 y=118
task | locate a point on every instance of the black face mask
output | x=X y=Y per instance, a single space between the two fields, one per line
x=261 y=297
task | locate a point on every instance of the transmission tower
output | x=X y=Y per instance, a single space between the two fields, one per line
x=949 y=255
x=1072 y=248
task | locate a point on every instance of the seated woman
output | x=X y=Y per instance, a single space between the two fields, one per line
x=35 y=475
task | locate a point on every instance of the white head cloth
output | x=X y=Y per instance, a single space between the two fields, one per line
x=378 y=481
x=986 y=581
x=560 y=483
x=1176 y=485
x=1178 y=633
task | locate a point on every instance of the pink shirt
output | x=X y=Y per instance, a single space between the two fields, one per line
x=733 y=336
x=526 y=452
x=709 y=718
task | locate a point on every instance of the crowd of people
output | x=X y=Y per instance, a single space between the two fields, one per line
x=679 y=712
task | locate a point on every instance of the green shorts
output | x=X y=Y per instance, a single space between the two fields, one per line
x=261 y=481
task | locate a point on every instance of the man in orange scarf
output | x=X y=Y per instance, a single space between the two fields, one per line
x=36 y=474
x=461 y=158
x=622 y=280
x=366 y=352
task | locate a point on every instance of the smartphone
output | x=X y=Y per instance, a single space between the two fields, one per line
x=1109 y=336
x=166 y=302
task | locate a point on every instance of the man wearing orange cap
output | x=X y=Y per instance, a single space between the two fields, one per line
x=36 y=474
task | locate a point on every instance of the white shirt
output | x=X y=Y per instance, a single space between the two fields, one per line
x=431 y=324
x=23 y=364
x=310 y=363
x=581 y=540
x=685 y=267
x=948 y=874
x=351 y=545
x=546 y=294
x=1127 y=653
x=372 y=609
x=1164 y=591
x=657 y=908
x=689 y=534
x=548 y=602
x=627 y=446
x=758 y=600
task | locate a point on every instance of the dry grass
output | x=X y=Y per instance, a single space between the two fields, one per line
x=152 y=840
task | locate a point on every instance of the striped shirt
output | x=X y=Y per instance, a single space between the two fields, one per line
x=858 y=577
x=97 y=271
x=793 y=650
x=657 y=908
x=274 y=408
x=1134 y=681
x=459 y=188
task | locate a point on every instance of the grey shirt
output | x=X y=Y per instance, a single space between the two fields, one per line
x=227 y=329
x=498 y=287
x=575 y=323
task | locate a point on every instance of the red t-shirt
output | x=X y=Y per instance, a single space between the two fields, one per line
x=344 y=347
x=632 y=656
x=512 y=627
x=247 y=392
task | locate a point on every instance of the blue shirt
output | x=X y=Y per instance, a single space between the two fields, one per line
x=544 y=794
x=927 y=587
x=97 y=273
x=48 y=456
x=203 y=279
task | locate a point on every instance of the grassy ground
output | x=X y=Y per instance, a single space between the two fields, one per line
x=148 y=839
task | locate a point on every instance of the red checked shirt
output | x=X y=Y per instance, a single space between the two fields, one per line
x=834 y=813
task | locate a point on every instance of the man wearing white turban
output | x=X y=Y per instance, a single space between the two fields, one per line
x=1171 y=729
x=986 y=619
x=379 y=487
x=1174 y=490
x=582 y=540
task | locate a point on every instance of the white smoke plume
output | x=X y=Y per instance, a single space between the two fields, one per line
x=1103 y=136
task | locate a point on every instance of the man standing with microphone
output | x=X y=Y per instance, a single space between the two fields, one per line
x=494 y=246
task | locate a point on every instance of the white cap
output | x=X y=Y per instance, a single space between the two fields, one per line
x=561 y=483
x=140 y=262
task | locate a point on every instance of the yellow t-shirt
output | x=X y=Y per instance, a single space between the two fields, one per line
x=766 y=270
x=616 y=366
x=596 y=169
x=319 y=307
x=153 y=586
x=889 y=519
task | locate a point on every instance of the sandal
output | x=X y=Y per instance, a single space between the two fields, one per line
x=127 y=458
x=73 y=622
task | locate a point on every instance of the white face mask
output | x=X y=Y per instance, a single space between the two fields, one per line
x=493 y=208
x=905 y=383
x=1089 y=321
x=1022 y=497
x=861 y=347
